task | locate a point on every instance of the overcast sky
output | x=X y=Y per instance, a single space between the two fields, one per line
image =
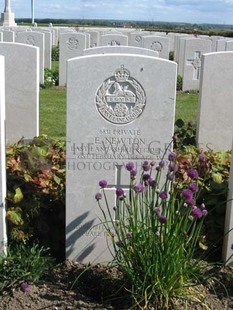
x=192 y=11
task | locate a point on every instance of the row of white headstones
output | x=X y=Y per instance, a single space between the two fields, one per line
x=100 y=89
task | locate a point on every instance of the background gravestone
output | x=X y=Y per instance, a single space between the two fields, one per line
x=135 y=38
x=120 y=108
x=8 y=36
x=71 y=45
x=22 y=90
x=215 y=109
x=34 y=39
x=158 y=44
x=120 y=49
x=193 y=50
x=113 y=40
x=3 y=236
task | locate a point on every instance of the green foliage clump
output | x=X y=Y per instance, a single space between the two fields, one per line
x=51 y=78
x=185 y=134
x=214 y=184
x=36 y=193
x=24 y=264
x=171 y=55
x=55 y=53
x=179 y=83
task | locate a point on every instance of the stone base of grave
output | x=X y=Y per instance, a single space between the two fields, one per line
x=8 y=19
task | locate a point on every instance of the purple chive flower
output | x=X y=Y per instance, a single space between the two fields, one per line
x=187 y=193
x=171 y=176
x=193 y=174
x=133 y=172
x=163 y=195
x=191 y=123
x=103 y=183
x=98 y=196
x=120 y=192
x=204 y=212
x=190 y=201
x=129 y=166
x=162 y=164
x=139 y=188
x=146 y=166
x=202 y=158
x=146 y=177
x=173 y=167
x=197 y=213
x=25 y=287
x=162 y=219
x=129 y=235
x=152 y=183
x=157 y=210
x=118 y=243
x=172 y=156
x=193 y=187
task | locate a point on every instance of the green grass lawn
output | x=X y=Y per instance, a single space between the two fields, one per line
x=186 y=106
x=53 y=110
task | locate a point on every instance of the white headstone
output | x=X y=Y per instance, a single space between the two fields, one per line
x=113 y=39
x=120 y=49
x=158 y=44
x=221 y=45
x=34 y=39
x=8 y=36
x=71 y=45
x=22 y=90
x=193 y=50
x=94 y=38
x=229 y=45
x=3 y=235
x=47 y=48
x=228 y=230
x=215 y=126
x=135 y=38
x=120 y=108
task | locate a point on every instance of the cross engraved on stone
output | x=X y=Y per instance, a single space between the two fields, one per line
x=118 y=182
x=196 y=63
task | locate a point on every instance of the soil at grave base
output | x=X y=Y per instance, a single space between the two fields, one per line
x=94 y=287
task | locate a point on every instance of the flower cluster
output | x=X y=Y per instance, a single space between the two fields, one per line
x=161 y=197
x=157 y=222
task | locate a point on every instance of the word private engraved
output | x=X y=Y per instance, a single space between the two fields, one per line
x=120 y=99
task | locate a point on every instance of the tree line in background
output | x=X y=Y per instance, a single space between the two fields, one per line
x=208 y=29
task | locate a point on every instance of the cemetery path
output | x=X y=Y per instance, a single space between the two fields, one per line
x=95 y=284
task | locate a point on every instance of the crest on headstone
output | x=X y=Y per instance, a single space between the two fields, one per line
x=138 y=38
x=31 y=40
x=72 y=43
x=156 y=46
x=120 y=99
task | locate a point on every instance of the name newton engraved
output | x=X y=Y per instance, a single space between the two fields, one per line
x=120 y=99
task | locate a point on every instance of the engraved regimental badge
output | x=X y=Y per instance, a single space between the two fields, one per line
x=120 y=99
